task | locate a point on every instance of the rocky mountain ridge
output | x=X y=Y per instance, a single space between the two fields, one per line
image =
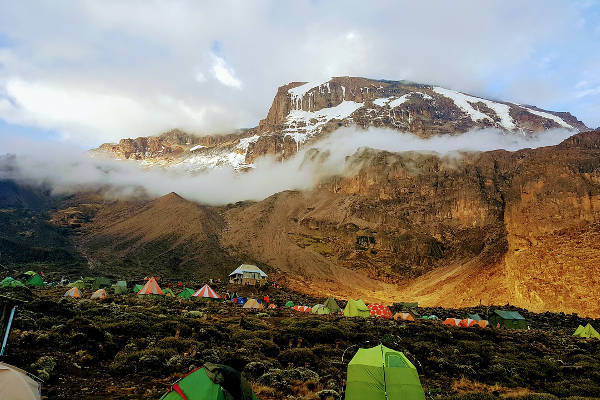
x=304 y=112
x=490 y=227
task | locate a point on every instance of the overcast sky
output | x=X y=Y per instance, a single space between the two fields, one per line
x=87 y=72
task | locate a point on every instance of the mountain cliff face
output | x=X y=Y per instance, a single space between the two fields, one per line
x=492 y=227
x=304 y=112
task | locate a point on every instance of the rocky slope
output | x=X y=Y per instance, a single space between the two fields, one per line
x=303 y=112
x=492 y=227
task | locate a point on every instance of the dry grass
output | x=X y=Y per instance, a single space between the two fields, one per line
x=464 y=385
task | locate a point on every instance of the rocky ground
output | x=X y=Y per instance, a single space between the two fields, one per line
x=126 y=347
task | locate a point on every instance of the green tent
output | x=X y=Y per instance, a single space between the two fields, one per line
x=332 y=305
x=35 y=280
x=78 y=284
x=476 y=317
x=356 y=308
x=89 y=282
x=120 y=287
x=168 y=292
x=369 y=377
x=320 y=309
x=186 y=293
x=587 y=331
x=137 y=288
x=30 y=273
x=289 y=303
x=507 y=319
x=101 y=283
x=211 y=382
x=9 y=282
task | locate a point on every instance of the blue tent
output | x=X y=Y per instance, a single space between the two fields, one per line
x=241 y=300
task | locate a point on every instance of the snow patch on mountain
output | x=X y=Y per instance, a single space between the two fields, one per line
x=546 y=115
x=300 y=124
x=394 y=102
x=245 y=142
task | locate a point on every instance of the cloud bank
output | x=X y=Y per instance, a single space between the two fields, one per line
x=97 y=71
x=67 y=171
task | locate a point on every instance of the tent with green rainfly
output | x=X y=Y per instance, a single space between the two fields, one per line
x=587 y=331
x=289 y=303
x=101 y=283
x=35 y=280
x=78 y=284
x=382 y=373
x=320 y=309
x=120 y=287
x=9 y=282
x=186 y=293
x=331 y=304
x=356 y=308
x=211 y=382
x=137 y=288
x=30 y=273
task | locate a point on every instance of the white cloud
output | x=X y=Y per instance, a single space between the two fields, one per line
x=122 y=59
x=224 y=73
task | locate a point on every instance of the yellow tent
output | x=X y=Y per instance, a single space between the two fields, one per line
x=99 y=294
x=587 y=331
x=73 y=292
x=253 y=303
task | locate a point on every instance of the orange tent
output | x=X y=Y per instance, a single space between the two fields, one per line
x=303 y=308
x=151 y=287
x=206 y=291
x=99 y=294
x=483 y=323
x=73 y=292
x=272 y=306
x=467 y=322
x=253 y=303
x=404 y=316
x=379 y=310
x=452 y=321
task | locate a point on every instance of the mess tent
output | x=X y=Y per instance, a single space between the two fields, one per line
x=206 y=292
x=248 y=274
x=507 y=319
x=382 y=373
x=151 y=288
x=211 y=382
x=356 y=308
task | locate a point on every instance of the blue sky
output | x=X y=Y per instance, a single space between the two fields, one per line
x=90 y=72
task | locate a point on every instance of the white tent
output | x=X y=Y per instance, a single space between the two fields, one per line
x=15 y=384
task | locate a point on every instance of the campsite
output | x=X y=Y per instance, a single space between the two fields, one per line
x=136 y=345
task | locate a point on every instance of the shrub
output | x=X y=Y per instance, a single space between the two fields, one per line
x=297 y=357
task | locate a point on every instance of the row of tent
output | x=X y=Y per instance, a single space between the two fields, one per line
x=32 y=279
x=373 y=373
x=75 y=293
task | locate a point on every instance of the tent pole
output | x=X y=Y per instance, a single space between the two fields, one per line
x=10 y=319
x=383 y=364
